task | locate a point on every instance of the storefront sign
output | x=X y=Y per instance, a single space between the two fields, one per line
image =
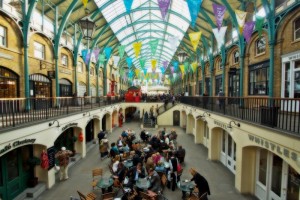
x=295 y=57
x=16 y=144
x=3 y=55
x=51 y=74
x=51 y=157
x=259 y=65
x=69 y=125
x=291 y=56
x=274 y=147
x=221 y=124
x=64 y=71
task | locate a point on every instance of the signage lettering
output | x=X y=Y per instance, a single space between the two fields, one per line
x=294 y=57
x=274 y=147
x=16 y=144
x=68 y=126
x=221 y=124
x=65 y=71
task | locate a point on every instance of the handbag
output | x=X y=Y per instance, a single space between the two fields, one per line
x=179 y=168
x=57 y=168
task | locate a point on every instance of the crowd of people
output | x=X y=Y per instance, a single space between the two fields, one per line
x=155 y=158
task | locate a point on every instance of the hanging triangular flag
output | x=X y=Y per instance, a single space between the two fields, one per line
x=163 y=6
x=121 y=50
x=220 y=35
x=116 y=60
x=84 y=52
x=162 y=69
x=241 y=17
x=172 y=69
x=153 y=63
x=107 y=51
x=173 y=42
x=181 y=68
x=175 y=64
x=186 y=67
x=129 y=62
x=96 y=53
x=194 y=66
x=142 y=62
x=137 y=72
x=153 y=70
x=259 y=22
x=219 y=11
x=248 y=30
x=87 y=58
x=145 y=71
x=194 y=8
x=101 y=58
x=137 y=48
x=128 y=4
x=85 y=2
x=195 y=38
x=153 y=46
x=165 y=64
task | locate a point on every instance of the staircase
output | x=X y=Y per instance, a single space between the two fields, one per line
x=162 y=109
x=147 y=123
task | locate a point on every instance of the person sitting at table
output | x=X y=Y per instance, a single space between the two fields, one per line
x=155 y=183
x=121 y=172
x=115 y=166
x=136 y=172
x=201 y=183
x=180 y=154
x=137 y=158
x=120 y=142
x=124 y=134
x=150 y=162
x=125 y=147
x=157 y=158
x=114 y=150
x=167 y=140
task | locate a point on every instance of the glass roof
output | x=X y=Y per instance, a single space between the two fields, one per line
x=144 y=23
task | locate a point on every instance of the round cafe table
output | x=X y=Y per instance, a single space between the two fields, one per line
x=105 y=184
x=186 y=186
x=143 y=183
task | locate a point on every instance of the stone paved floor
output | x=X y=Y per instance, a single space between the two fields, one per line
x=220 y=179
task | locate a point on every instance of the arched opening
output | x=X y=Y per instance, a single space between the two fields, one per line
x=190 y=124
x=66 y=139
x=106 y=123
x=90 y=131
x=201 y=132
x=81 y=89
x=40 y=87
x=65 y=88
x=131 y=114
x=176 y=118
x=114 y=119
x=183 y=119
x=9 y=83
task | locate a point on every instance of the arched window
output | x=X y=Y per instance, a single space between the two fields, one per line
x=297 y=29
x=260 y=45
x=219 y=64
x=80 y=67
x=236 y=57
x=92 y=71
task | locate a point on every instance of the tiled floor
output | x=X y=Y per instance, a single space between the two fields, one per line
x=220 y=179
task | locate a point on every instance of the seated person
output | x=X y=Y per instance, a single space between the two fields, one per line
x=114 y=148
x=157 y=158
x=136 y=158
x=124 y=134
x=144 y=137
x=121 y=172
x=155 y=182
x=136 y=172
x=120 y=142
x=125 y=147
x=115 y=166
x=150 y=162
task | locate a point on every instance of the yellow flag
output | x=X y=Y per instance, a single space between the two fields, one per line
x=195 y=38
x=182 y=69
x=153 y=63
x=194 y=66
x=137 y=48
x=137 y=72
x=85 y=2
x=241 y=17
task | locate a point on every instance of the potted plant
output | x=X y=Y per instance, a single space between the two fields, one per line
x=32 y=162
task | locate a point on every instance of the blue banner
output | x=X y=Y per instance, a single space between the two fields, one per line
x=128 y=4
x=84 y=52
x=194 y=8
x=107 y=51
x=129 y=62
x=175 y=65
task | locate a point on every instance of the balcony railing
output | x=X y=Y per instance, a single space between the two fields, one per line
x=282 y=114
x=16 y=112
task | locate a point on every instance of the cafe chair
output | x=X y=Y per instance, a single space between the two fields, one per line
x=89 y=196
x=203 y=196
x=96 y=173
x=129 y=194
x=111 y=169
x=164 y=181
x=193 y=197
x=145 y=196
x=108 y=196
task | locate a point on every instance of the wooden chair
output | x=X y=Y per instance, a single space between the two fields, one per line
x=108 y=196
x=193 y=197
x=111 y=169
x=89 y=196
x=131 y=195
x=164 y=181
x=95 y=174
x=145 y=196
x=203 y=196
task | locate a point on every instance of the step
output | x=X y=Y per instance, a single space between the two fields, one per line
x=32 y=193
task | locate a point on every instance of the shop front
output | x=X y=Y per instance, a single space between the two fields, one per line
x=66 y=139
x=233 y=83
x=65 y=88
x=40 y=88
x=228 y=151
x=89 y=131
x=15 y=172
x=9 y=83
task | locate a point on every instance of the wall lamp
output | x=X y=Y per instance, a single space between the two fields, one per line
x=87 y=113
x=205 y=114
x=235 y=123
x=51 y=123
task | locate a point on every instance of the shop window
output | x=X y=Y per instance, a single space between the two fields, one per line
x=219 y=64
x=8 y=83
x=80 y=67
x=259 y=81
x=218 y=85
x=3 y=35
x=64 y=60
x=260 y=45
x=39 y=50
x=92 y=71
x=236 y=57
x=297 y=29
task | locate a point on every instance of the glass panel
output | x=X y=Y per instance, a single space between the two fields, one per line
x=218 y=84
x=276 y=175
x=1 y=176
x=287 y=79
x=229 y=146
x=263 y=160
x=234 y=150
x=259 y=81
x=297 y=85
x=12 y=165
x=39 y=50
x=25 y=156
x=293 y=185
x=2 y=36
x=224 y=142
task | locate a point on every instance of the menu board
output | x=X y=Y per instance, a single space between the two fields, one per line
x=51 y=156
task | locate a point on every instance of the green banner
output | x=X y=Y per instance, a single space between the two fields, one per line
x=121 y=50
x=186 y=67
x=259 y=22
x=142 y=62
x=153 y=46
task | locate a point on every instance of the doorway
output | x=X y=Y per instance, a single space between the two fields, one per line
x=228 y=151
x=176 y=118
x=89 y=131
x=66 y=139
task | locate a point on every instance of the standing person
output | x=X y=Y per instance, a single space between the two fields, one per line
x=101 y=135
x=173 y=100
x=157 y=109
x=221 y=99
x=201 y=183
x=63 y=158
x=173 y=170
x=103 y=147
x=180 y=154
x=121 y=117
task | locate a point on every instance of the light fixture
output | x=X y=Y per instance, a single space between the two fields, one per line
x=87 y=26
x=182 y=55
x=89 y=114
x=235 y=123
x=51 y=123
x=203 y=115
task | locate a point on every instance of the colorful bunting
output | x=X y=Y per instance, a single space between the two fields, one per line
x=162 y=69
x=175 y=64
x=84 y=53
x=220 y=35
x=137 y=72
x=85 y=2
x=129 y=62
x=165 y=64
x=181 y=68
x=219 y=11
x=172 y=69
x=142 y=62
x=259 y=22
x=153 y=46
x=194 y=8
x=241 y=17
x=194 y=66
x=121 y=50
x=153 y=63
x=107 y=51
x=137 y=48
x=163 y=6
x=101 y=58
x=96 y=53
x=128 y=4
x=145 y=71
x=87 y=58
x=248 y=29
x=186 y=67
x=116 y=60
x=195 y=38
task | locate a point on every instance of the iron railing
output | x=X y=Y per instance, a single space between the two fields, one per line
x=19 y=111
x=279 y=113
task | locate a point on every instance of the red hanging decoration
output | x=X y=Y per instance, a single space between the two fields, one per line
x=44 y=160
x=80 y=137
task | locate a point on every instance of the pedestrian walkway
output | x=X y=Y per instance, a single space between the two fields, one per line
x=220 y=179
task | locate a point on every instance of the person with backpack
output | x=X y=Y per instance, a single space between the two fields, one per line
x=173 y=170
